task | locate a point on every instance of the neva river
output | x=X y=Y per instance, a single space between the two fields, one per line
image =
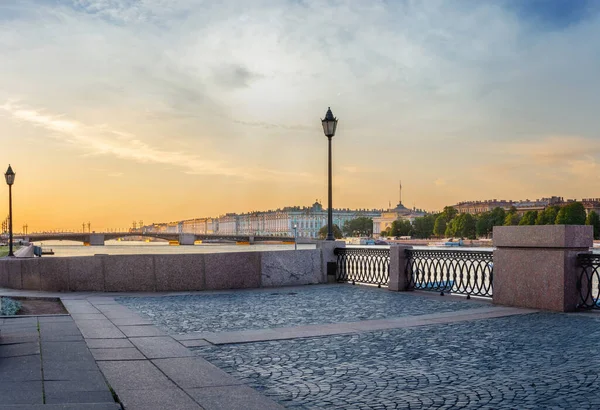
x=68 y=248
x=113 y=247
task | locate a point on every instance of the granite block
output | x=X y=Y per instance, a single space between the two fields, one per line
x=232 y=270
x=536 y=278
x=54 y=274
x=30 y=274
x=86 y=274
x=4 y=282
x=327 y=248
x=398 y=280
x=544 y=236
x=179 y=272
x=14 y=273
x=289 y=268
x=129 y=273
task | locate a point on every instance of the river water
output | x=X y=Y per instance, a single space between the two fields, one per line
x=68 y=248
x=113 y=247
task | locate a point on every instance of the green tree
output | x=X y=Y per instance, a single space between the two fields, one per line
x=401 y=227
x=361 y=225
x=423 y=226
x=512 y=217
x=594 y=219
x=484 y=224
x=529 y=218
x=547 y=216
x=449 y=213
x=571 y=214
x=464 y=226
x=439 y=226
x=337 y=232
x=498 y=216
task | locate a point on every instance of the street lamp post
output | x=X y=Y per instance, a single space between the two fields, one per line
x=10 y=179
x=295 y=237
x=329 y=126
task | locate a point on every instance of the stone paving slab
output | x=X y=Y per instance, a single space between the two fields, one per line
x=190 y=372
x=108 y=343
x=125 y=353
x=166 y=398
x=48 y=373
x=134 y=375
x=141 y=331
x=71 y=406
x=160 y=347
x=232 y=398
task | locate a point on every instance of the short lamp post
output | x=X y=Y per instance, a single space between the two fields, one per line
x=295 y=237
x=329 y=126
x=10 y=180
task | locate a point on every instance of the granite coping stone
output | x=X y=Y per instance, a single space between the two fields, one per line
x=544 y=236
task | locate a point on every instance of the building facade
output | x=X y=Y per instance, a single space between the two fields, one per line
x=384 y=221
x=280 y=222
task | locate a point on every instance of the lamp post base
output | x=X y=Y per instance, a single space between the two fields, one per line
x=330 y=237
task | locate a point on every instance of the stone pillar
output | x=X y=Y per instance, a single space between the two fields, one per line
x=251 y=240
x=187 y=238
x=536 y=266
x=329 y=259
x=96 y=239
x=399 y=279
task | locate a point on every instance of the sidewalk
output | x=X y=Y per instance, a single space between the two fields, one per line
x=45 y=364
x=287 y=349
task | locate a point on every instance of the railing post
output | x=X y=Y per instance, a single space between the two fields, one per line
x=536 y=266
x=329 y=259
x=399 y=279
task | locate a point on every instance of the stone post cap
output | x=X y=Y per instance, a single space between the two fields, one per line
x=544 y=236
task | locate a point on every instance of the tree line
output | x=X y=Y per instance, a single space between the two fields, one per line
x=449 y=223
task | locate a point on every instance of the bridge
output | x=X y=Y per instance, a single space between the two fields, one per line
x=98 y=239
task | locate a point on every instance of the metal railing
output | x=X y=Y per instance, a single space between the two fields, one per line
x=588 y=282
x=464 y=272
x=363 y=265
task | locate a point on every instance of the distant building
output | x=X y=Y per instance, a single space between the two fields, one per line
x=279 y=222
x=384 y=221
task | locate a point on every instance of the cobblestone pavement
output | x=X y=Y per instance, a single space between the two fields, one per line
x=294 y=307
x=535 y=361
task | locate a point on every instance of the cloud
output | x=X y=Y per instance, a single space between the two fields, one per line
x=100 y=140
x=243 y=82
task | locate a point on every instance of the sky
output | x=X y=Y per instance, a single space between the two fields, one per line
x=160 y=110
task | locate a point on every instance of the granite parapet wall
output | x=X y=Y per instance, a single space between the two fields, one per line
x=163 y=273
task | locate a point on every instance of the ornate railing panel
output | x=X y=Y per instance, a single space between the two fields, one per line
x=363 y=265
x=465 y=272
x=588 y=282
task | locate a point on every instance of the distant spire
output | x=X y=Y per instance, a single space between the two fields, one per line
x=400 y=192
